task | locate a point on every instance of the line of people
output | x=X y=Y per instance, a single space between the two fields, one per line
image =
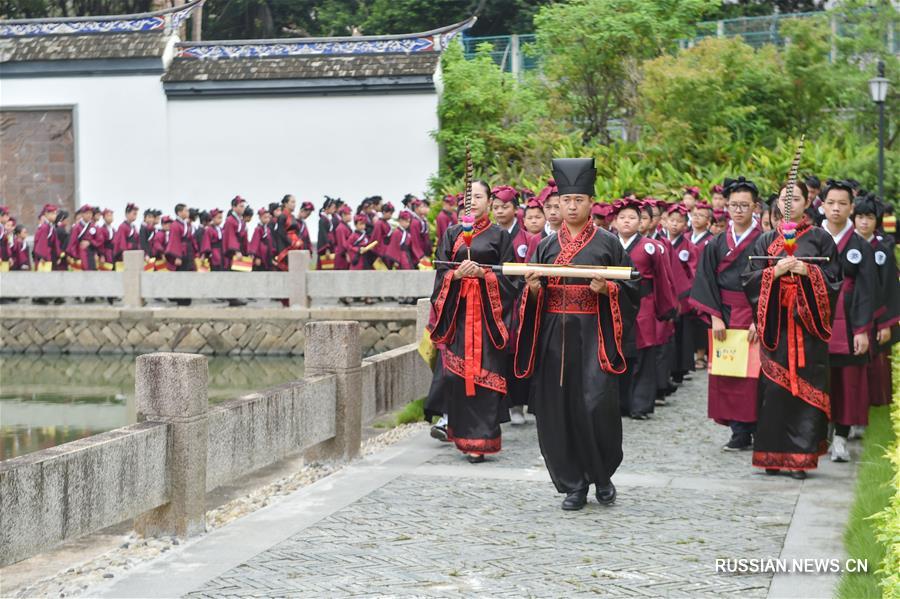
x=824 y=329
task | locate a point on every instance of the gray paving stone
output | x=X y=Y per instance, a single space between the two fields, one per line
x=498 y=531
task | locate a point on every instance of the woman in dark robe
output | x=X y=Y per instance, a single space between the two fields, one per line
x=717 y=292
x=794 y=302
x=472 y=307
x=62 y=234
x=570 y=342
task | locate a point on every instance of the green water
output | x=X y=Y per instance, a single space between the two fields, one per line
x=50 y=400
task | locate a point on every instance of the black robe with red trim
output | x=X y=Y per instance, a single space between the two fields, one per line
x=471 y=331
x=887 y=316
x=717 y=291
x=793 y=319
x=570 y=343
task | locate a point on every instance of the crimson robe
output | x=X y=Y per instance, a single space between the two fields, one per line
x=718 y=291
x=126 y=238
x=46 y=243
x=444 y=220
x=214 y=239
x=342 y=233
x=180 y=244
x=398 y=254
x=262 y=247
x=355 y=243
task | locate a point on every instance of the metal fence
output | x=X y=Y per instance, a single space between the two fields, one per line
x=510 y=51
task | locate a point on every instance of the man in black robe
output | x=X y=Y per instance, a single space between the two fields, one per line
x=570 y=343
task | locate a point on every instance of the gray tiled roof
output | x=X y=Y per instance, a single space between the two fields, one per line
x=83 y=47
x=304 y=67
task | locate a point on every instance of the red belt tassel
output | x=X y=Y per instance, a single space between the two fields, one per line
x=471 y=290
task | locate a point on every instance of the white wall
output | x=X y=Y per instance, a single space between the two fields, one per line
x=120 y=134
x=132 y=145
x=262 y=148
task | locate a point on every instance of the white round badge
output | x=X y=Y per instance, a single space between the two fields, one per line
x=880 y=258
x=684 y=255
x=649 y=248
x=854 y=256
x=522 y=250
x=92 y=231
x=822 y=210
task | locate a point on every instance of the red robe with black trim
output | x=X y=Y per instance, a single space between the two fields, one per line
x=471 y=329
x=46 y=243
x=571 y=345
x=443 y=221
x=126 y=238
x=793 y=319
x=233 y=238
x=342 y=233
x=717 y=291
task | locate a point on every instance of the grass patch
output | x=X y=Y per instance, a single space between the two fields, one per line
x=874 y=490
x=414 y=411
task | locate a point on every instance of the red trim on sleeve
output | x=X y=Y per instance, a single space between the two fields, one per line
x=492 y=286
x=539 y=300
x=615 y=312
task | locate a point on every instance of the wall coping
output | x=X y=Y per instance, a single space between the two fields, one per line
x=363 y=314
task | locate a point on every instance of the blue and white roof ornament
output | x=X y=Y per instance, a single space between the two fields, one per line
x=430 y=41
x=167 y=20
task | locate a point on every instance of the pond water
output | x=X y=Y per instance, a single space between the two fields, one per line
x=50 y=400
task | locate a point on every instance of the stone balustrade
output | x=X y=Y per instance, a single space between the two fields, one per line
x=300 y=286
x=159 y=470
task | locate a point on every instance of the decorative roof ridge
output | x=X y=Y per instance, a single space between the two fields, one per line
x=166 y=20
x=461 y=26
x=427 y=41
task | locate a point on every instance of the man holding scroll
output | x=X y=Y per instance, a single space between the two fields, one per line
x=571 y=334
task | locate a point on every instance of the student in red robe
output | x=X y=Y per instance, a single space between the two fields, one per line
x=446 y=218
x=46 y=241
x=794 y=303
x=127 y=236
x=699 y=236
x=638 y=388
x=399 y=253
x=848 y=348
x=103 y=241
x=162 y=242
x=357 y=244
x=534 y=221
x=719 y=294
x=233 y=232
x=676 y=225
x=342 y=233
x=180 y=249
x=381 y=231
x=215 y=237
x=18 y=249
x=81 y=251
x=262 y=247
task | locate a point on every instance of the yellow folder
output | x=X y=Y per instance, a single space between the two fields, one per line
x=735 y=356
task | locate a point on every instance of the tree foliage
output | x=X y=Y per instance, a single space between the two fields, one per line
x=591 y=49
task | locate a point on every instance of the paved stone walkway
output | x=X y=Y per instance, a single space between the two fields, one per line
x=417 y=520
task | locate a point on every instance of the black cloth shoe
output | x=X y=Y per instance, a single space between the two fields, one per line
x=798 y=474
x=739 y=442
x=575 y=500
x=475 y=458
x=772 y=471
x=639 y=417
x=606 y=494
x=440 y=433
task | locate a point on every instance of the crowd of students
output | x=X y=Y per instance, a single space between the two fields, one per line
x=697 y=278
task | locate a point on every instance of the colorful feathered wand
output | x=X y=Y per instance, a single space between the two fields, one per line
x=789 y=227
x=468 y=221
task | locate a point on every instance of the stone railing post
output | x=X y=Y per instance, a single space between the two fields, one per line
x=423 y=311
x=333 y=347
x=172 y=388
x=298 y=265
x=131 y=278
